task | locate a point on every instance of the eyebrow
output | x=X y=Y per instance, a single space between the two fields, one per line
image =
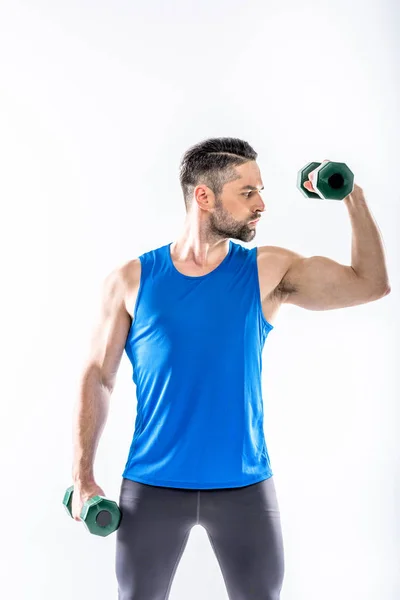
x=251 y=187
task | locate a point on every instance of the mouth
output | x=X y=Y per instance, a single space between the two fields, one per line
x=256 y=221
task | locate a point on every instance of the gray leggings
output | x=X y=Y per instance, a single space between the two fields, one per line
x=243 y=526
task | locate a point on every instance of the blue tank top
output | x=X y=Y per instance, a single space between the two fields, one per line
x=195 y=345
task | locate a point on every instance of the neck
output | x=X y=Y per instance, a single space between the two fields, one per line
x=197 y=247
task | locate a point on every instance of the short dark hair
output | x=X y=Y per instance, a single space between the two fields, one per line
x=211 y=162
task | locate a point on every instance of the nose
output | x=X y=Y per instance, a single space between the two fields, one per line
x=259 y=207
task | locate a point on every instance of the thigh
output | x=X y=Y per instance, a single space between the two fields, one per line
x=244 y=528
x=151 y=538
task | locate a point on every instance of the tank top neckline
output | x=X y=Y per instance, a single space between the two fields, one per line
x=221 y=264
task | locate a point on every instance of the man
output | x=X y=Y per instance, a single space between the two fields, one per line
x=193 y=317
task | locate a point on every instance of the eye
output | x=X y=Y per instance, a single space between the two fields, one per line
x=248 y=194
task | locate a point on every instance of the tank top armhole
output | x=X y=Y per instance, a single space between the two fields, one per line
x=142 y=259
x=258 y=290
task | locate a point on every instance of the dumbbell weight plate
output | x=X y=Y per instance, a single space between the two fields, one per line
x=68 y=500
x=99 y=515
x=302 y=177
x=333 y=180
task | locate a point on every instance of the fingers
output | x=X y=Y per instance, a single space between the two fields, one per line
x=309 y=184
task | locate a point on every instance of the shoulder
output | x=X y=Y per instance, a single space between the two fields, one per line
x=123 y=273
x=280 y=259
x=122 y=283
x=129 y=274
x=278 y=252
x=130 y=270
x=123 y=280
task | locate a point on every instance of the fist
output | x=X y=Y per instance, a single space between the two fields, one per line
x=83 y=493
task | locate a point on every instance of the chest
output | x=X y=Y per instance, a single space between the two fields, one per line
x=270 y=269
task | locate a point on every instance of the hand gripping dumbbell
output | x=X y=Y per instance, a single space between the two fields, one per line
x=99 y=515
x=333 y=180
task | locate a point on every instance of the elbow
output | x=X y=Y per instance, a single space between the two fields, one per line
x=386 y=289
x=376 y=289
x=381 y=292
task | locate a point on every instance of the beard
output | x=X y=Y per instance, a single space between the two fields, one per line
x=223 y=225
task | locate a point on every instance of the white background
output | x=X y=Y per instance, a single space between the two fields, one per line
x=98 y=103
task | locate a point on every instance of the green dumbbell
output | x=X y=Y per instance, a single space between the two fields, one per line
x=333 y=180
x=99 y=515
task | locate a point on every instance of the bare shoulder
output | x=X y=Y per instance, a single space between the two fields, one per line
x=130 y=270
x=274 y=262
x=279 y=252
x=129 y=273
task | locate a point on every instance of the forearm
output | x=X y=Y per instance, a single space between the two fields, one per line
x=367 y=251
x=90 y=417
